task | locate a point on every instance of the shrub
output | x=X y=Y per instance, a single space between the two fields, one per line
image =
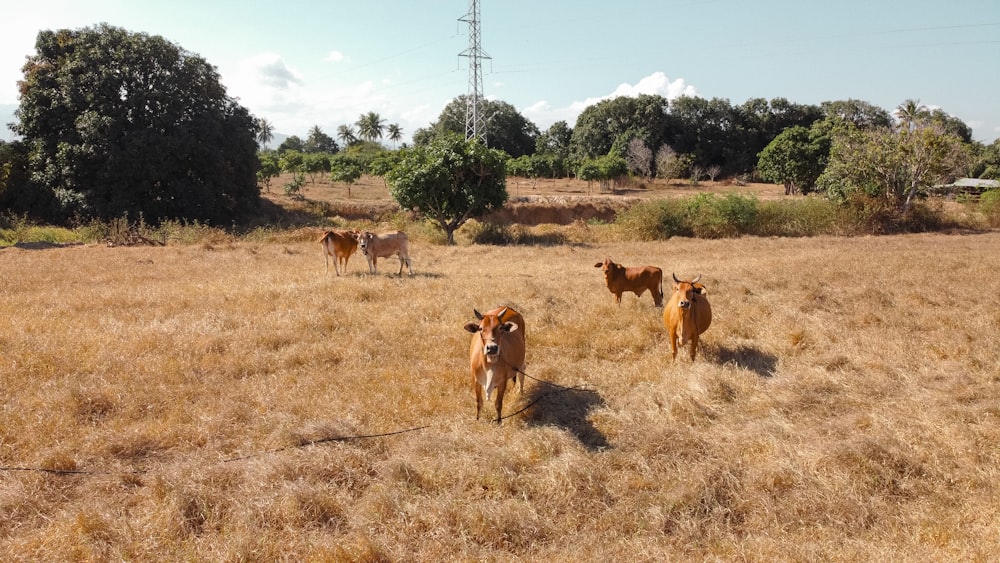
x=653 y=220
x=800 y=217
x=989 y=206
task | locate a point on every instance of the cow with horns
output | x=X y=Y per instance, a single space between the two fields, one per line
x=687 y=314
x=496 y=354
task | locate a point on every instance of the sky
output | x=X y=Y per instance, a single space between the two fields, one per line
x=305 y=63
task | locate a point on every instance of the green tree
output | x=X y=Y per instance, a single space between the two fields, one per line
x=506 y=128
x=863 y=115
x=450 y=181
x=121 y=123
x=370 y=126
x=291 y=143
x=319 y=142
x=395 y=133
x=795 y=158
x=345 y=169
x=620 y=119
x=895 y=167
x=911 y=114
x=314 y=164
x=346 y=135
x=270 y=168
x=265 y=132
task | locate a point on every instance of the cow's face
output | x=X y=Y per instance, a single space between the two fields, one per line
x=364 y=239
x=608 y=267
x=491 y=330
x=687 y=291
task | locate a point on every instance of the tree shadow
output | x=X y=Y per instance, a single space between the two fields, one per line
x=565 y=407
x=749 y=358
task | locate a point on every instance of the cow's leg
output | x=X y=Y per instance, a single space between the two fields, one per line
x=673 y=341
x=479 y=394
x=501 y=389
x=694 y=346
x=401 y=260
x=618 y=298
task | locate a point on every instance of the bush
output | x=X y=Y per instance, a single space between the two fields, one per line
x=800 y=217
x=989 y=206
x=653 y=220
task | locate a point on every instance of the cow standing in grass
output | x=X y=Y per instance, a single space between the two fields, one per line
x=341 y=245
x=383 y=245
x=496 y=354
x=687 y=314
x=620 y=279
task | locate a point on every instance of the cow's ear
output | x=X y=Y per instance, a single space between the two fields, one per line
x=472 y=327
x=510 y=327
x=701 y=290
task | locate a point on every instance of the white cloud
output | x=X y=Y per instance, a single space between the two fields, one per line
x=335 y=57
x=543 y=115
x=270 y=70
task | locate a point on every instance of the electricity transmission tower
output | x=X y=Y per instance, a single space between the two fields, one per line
x=475 y=122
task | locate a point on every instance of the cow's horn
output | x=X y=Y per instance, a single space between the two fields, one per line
x=675 y=277
x=696 y=279
x=478 y=314
x=502 y=314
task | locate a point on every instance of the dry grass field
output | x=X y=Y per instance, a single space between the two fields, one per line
x=233 y=401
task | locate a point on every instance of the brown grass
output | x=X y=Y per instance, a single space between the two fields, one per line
x=845 y=405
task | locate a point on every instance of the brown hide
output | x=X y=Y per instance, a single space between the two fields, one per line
x=620 y=279
x=340 y=245
x=496 y=354
x=687 y=315
x=383 y=245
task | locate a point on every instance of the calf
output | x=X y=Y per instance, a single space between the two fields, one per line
x=384 y=245
x=687 y=314
x=496 y=354
x=340 y=245
x=620 y=279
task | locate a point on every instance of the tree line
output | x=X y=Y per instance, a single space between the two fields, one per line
x=115 y=123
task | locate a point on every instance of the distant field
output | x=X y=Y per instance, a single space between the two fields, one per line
x=232 y=400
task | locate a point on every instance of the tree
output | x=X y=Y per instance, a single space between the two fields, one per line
x=269 y=169
x=314 y=164
x=395 y=133
x=318 y=141
x=505 y=129
x=370 y=126
x=291 y=143
x=639 y=158
x=121 y=123
x=620 y=119
x=265 y=133
x=346 y=135
x=795 y=158
x=451 y=180
x=911 y=114
x=893 y=166
x=345 y=169
x=862 y=114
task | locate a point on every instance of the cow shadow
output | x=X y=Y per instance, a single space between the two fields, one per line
x=567 y=408
x=748 y=357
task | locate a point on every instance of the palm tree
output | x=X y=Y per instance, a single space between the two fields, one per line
x=370 y=126
x=395 y=133
x=266 y=132
x=911 y=114
x=345 y=133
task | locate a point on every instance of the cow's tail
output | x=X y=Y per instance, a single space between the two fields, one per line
x=325 y=236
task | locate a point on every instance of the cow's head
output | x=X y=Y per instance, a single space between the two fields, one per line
x=364 y=239
x=490 y=329
x=608 y=267
x=688 y=290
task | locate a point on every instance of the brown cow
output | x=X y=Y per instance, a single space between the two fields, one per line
x=496 y=354
x=687 y=314
x=384 y=245
x=620 y=279
x=340 y=245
